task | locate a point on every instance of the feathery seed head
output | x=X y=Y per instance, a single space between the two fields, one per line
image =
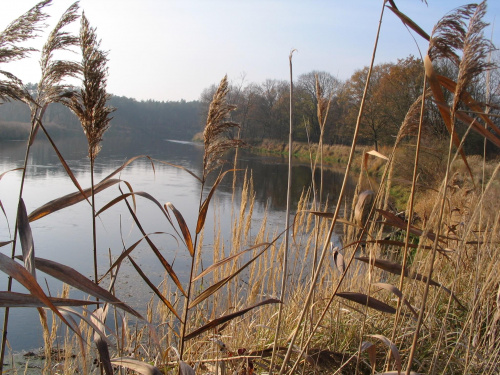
x=89 y=103
x=216 y=143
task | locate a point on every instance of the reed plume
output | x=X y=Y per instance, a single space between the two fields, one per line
x=89 y=104
x=214 y=136
x=20 y=30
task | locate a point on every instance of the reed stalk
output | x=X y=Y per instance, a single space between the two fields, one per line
x=337 y=208
x=287 y=220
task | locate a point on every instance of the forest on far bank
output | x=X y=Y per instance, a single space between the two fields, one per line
x=263 y=109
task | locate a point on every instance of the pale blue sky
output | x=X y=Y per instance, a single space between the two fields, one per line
x=173 y=49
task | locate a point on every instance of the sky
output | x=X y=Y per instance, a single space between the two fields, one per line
x=168 y=50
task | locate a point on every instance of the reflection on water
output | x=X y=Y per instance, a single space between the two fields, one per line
x=65 y=236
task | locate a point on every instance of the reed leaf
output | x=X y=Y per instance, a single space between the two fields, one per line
x=214 y=323
x=26 y=279
x=185 y=369
x=183 y=226
x=476 y=126
x=137 y=366
x=101 y=344
x=392 y=347
x=397 y=222
x=338 y=258
x=329 y=215
x=153 y=247
x=391 y=288
x=61 y=159
x=204 y=207
x=179 y=167
x=69 y=200
x=215 y=287
x=227 y=259
x=14 y=299
x=365 y=300
x=72 y=277
x=396 y=269
x=26 y=237
x=469 y=101
x=438 y=94
x=88 y=319
x=126 y=253
x=372 y=352
x=4 y=243
x=154 y=288
x=409 y=22
x=76 y=328
x=132 y=194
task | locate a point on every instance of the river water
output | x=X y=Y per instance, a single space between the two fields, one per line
x=66 y=236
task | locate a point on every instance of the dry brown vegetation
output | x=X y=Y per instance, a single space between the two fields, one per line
x=413 y=287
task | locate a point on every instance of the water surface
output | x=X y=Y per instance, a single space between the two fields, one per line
x=66 y=236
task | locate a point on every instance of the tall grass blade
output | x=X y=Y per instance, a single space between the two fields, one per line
x=365 y=300
x=69 y=200
x=338 y=258
x=72 y=277
x=228 y=259
x=393 y=348
x=154 y=288
x=476 y=126
x=61 y=159
x=397 y=222
x=126 y=253
x=178 y=166
x=372 y=352
x=26 y=238
x=215 y=287
x=185 y=369
x=90 y=319
x=391 y=288
x=132 y=194
x=204 y=207
x=14 y=299
x=410 y=23
x=4 y=243
x=100 y=343
x=137 y=366
x=153 y=247
x=440 y=98
x=214 y=323
x=183 y=226
x=396 y=269
x=76 y=328
x=26 y=279
x=468 y=100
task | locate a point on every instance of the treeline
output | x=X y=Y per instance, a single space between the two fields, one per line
x=263 y=109
x=139 y=119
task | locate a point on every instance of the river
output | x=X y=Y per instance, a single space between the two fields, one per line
x=66 y=236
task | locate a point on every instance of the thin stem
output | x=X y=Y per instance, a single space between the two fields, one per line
x=14 y=241
x=339 y=201
x=410 y=213
x=94 y=234
x=191 y=274
x=287 y=220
